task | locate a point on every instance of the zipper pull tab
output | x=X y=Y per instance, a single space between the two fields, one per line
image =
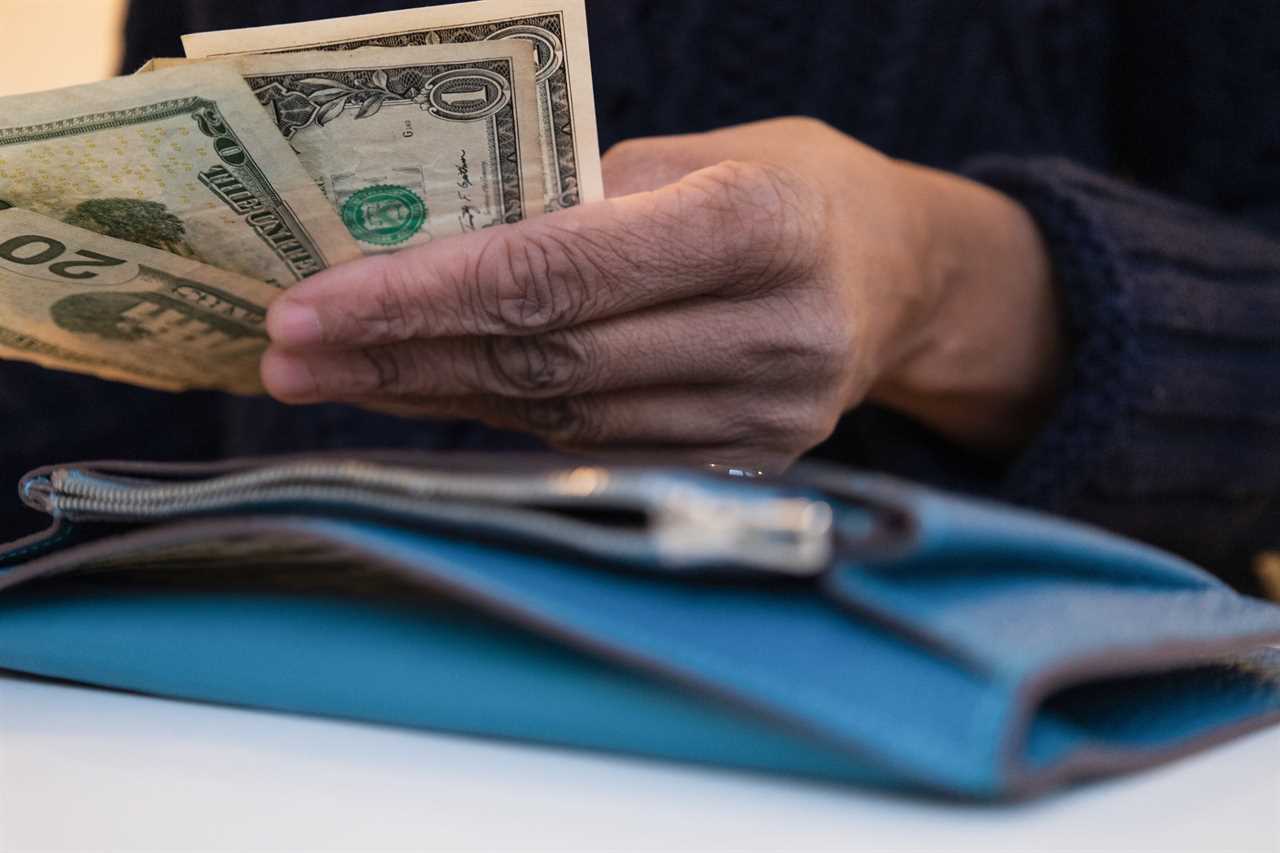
x=789 y=536
x=39 y=493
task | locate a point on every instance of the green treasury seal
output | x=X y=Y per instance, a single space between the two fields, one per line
x=384 y=215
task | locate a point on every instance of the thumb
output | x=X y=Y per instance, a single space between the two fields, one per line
x=645 y=165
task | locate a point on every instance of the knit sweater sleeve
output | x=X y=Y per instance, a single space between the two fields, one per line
x=1169 y=425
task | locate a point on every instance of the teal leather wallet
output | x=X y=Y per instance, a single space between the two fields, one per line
x=830 y=624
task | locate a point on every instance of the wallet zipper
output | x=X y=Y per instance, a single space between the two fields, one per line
x=686 y=520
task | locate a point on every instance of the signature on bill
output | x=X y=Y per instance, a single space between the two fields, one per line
x=466 y=216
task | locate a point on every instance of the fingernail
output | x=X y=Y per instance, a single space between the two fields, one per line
x=286 y=376
x=292 y=324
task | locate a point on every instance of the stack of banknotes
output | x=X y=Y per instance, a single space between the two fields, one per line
x=146 y=222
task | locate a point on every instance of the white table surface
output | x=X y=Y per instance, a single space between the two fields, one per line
x=82 y=769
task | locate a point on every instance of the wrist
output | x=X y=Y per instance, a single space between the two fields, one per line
x=980 y=363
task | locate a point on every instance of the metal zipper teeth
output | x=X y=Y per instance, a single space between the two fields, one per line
x=574 y=485
x=509 y=520
x=668 y=504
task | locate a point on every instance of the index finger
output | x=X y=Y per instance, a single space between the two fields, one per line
x=589 y=263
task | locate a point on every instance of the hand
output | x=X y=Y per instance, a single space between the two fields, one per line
x=737 y=295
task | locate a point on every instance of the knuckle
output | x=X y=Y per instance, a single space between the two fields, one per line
x=806 y=338
x=392 y=311
x=389 y=372
x=564 y=421
x=843 y=344
x=552 y=365
x=754 y=185
x=764 y=215
x=772 y=424
x=793 y=427
x=832 y=348
x=529 y=284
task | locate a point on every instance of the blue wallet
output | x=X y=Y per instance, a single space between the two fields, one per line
x=829 y=624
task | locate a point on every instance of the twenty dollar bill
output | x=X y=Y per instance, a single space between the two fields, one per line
x=75 y=300
x=556 y=28
x=182 y=160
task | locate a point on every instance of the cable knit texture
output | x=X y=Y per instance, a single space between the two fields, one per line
x=1143 y=136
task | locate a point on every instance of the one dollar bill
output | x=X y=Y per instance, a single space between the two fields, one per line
x=411 y=144
x=556 y=28
x=182 y=160
x=72 y=299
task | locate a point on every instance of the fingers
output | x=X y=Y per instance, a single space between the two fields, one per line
x=641 y=420
x=766 y=430
x=692 y=342
x=731 y=224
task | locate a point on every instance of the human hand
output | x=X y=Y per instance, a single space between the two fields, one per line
x=737 y=295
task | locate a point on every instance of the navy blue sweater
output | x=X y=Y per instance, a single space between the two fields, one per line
x=1143 y=136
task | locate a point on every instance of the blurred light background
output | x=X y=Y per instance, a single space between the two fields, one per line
x=52 y=43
